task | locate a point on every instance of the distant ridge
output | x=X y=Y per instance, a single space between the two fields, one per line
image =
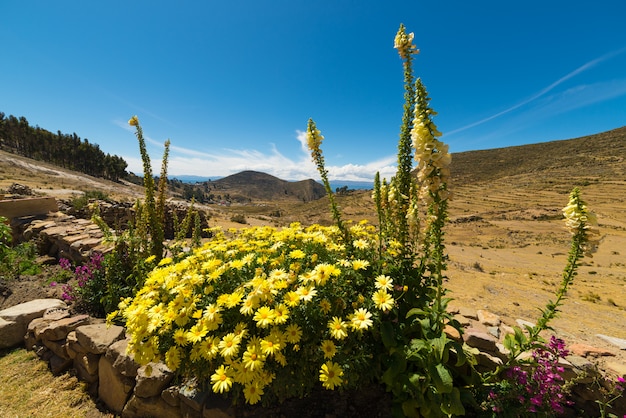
x=601 y=156
x=261 y=186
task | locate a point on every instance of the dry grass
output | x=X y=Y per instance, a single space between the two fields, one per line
x=28 y=389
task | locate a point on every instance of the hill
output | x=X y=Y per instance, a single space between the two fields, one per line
x=599 y=156
x=253 y=185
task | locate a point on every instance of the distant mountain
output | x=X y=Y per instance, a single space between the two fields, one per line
x=599 y=156
x=254 y=185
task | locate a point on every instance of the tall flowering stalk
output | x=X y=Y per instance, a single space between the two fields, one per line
x=545 y=390
x=403 y=42
x=583 y=226
x=314 y=142
x=153 y=208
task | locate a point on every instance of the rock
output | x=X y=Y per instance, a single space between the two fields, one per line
x=523 y=323
x=152 y=384
x=452 y=333
x=19 y=189
x=154 y=407
x=487 y=318
x=59 y=365
x=584 y=350
x=86 y=366
x=97 y=338
x=581 y=369
x=463 y=320
x=617 y=368
x=170 y=396
x=618 y=342
x=495 y=331
x=488 y=361
x=72 y=346
x=122 y=361
x=54 y=314
x=468 y=313
x=58 y=330
x=14 y=320
x=192 y=397
x=57 y=347
x=113 y=388
x=480 y=339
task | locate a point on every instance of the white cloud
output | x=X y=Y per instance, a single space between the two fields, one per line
x=184 y=161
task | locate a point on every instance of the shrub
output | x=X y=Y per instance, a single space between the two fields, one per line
x=15 y=260
x=88 y=287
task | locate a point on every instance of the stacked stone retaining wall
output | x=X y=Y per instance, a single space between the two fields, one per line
x=96 y=353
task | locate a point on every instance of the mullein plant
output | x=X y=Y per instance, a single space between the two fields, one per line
x=511 y=388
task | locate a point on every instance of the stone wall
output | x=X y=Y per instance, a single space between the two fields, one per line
x=97 y=354
x=71 y=234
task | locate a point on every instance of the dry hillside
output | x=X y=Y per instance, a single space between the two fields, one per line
x=506 y=239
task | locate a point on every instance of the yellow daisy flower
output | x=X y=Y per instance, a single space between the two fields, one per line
x=293 y=333
x=252 y=392
x=383 y=300
x=222 y=379
x=383 y=282
x=330 y=375
x=361 y=319
x=229 y=345
x=264 y=316
x=329 y=349
x=338 y=328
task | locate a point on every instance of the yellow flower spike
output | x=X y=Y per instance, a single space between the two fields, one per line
x=134 y=121
x=403 y=42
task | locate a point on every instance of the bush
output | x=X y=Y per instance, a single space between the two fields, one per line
x=18 y=260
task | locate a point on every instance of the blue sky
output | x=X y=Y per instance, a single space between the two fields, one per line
x=233 y=83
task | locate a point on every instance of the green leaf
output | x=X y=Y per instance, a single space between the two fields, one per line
x=441 y=378
x=387 y=334
x=439 y=345
x=396 y=367
x=452 y=404
x=409 y=408
x=415 y=311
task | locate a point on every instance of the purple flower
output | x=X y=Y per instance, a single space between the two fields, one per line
x=65 y=263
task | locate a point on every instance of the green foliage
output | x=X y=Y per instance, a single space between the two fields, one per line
x=80 y=202
x=6 y=235
x=239 y=218
x=18 y=260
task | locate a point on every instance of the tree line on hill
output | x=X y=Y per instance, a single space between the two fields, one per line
x=64 y=150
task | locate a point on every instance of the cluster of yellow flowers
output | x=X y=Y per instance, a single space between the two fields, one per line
x=240 y=307
x=432 y=155
x=403 y=42
x=579 y=219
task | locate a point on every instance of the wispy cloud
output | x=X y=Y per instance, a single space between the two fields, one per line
x=185 y=161
x=545 y=91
